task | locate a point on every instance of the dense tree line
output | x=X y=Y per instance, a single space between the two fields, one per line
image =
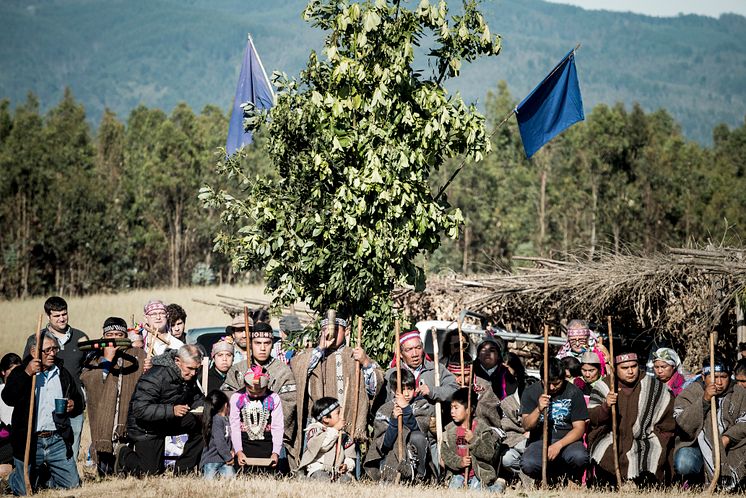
x=86 y=211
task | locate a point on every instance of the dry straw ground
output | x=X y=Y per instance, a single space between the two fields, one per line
x=286 y=488
x=18 y=318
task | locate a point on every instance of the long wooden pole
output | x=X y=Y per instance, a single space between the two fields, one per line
x=461 y=360
x=248 y=334
x=400 y=421
x=31 y=414
x=714 y=419
x=612 y=384
x=358 y=341
x=335 y=467
x=438 y=407
x=545 y=429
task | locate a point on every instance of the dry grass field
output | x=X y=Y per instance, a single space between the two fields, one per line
x=18 y=318
x=164 y=487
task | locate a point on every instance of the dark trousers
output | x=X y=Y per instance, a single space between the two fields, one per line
x=146 y=457
x=572 y=461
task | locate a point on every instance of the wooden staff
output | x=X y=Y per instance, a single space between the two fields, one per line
x=205 y=372
x=31 y=412
x=714 y=419
x=400 y=421
x=461 y=360
x=468 y=423
x=612 y=384
x=357 y=375
x=248 y=334
x=545 y=430
x=438 y=407
x=335 y=469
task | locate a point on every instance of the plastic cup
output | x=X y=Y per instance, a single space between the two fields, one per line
x=60 y=406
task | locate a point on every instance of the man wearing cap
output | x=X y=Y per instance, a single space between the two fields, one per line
x=156 y=320
x=162 y=405
x=694 y=441
x=237 y=330
x=580 y=338
x=281 y=380
x=71 y=357
x=328 y=370
x=110 y=375
x=644 y=420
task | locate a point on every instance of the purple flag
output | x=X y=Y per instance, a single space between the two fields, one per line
x=253 y=86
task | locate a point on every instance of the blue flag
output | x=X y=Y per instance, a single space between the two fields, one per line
x=253 y=86
x=554 y=105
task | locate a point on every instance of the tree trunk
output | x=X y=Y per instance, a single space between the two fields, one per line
x=467 y=243
x=542 y=211
x=594 y=216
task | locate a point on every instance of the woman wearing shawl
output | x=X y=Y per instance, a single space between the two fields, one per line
x=666 y=365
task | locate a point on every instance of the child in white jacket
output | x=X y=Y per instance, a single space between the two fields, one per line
x=326 y=455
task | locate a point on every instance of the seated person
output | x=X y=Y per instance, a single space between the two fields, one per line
x=469 y=446
x=329 y=452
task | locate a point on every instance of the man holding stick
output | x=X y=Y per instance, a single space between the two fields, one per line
x=645 y=424
x=58 y=399
x=694 y=442
x=565 y=407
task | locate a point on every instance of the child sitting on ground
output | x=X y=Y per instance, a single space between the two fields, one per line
x=217 y=457
x=256 y=419
x=469 y=445
x=383 y=460
x=326 y=456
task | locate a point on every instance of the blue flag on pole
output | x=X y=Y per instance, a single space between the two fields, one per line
x=253 y=86
x=554 y=105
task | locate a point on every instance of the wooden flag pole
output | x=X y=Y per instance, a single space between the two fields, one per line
x=545 y=429
x=358 y=341
x=31 y=412
x=612 y=384
x=461 y=360
x=438 y=407
x=714 y=418
x=248 y=334
x=400 y=421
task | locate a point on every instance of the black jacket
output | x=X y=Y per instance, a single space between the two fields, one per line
x=151 y=412
x=17 y=393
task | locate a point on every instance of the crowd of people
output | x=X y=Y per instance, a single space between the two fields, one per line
x=331 y=413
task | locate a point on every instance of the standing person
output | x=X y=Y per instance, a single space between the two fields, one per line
x=281 y=382
x=644 y=420
x=157 y=320
x=110 y=376
x=7 y=364
x=237 y=331
x=321 y=372
x=565 y=407
x=58 y=399
x=161 y=406
x=256 y=420
x=470 y=446
x=217 y=456
x=694 y=441
x=176 y=317
x=221 y=361
x=666 y=365
x=71 y=357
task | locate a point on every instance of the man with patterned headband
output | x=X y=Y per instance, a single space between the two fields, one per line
x=644 y=420
x=281 y=380
x=328 y=370
x=156 y=319
x=110 y=375
x=581 y=339
x=694 y=441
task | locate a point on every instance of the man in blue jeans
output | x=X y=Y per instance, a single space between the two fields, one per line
x=52 y=435
x=567 y=412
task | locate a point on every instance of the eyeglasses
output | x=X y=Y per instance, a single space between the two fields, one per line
x=50 y=350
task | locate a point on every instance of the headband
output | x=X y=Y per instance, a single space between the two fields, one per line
x=154 y=306
x=719 y=367
x=329 y=409
x=339 y=321
x=408 y=336
x=115 y=327
x=261 y=330
x=578 y=332
x=254 y=373
x=623 y=358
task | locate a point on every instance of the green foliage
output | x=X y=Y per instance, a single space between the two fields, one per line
x=354 y=142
